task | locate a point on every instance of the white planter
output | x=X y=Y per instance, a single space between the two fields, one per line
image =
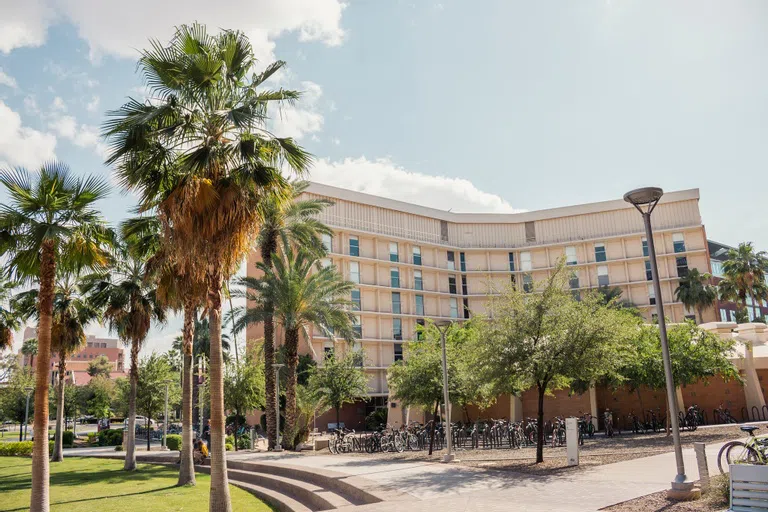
x=749 y=488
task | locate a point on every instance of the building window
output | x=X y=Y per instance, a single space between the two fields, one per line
x=678 y=242
x=418 y=284
x=454 y=308
x=525 y=261
x=357 y=326
x=527 y=283
x=717 y=268
x=354 y=246
x=570 y=256
x=466 y=308
x=451 y=284
x=354 y=272
x=530 y=231
x=651 y=295
x=398 y=351
x=419 y=333
x=451 y=260
x=645 y=246
x=394 y=278
x=600 y=252
x=574 y=281
x=393 y=254
x=327 y=242
x=396 y=303
x=511 y=262
x=464 y=285
x=682 y=266
x=420 y=305
x=327 y=349
x=648 y=271
x=462 y=262
x=723 y=315
x=416 y=255
x=397 y=328
x=602 y=275
x=356 y=303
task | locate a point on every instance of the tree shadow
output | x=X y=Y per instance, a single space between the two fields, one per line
x=96 y=498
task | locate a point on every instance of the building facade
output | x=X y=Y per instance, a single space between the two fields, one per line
x=413 y=263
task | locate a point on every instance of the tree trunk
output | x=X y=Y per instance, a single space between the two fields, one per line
x=129 y=437
x=58 y=439
x=148 y=426
x=236 y=415
x=219 y=498
x=434 y=427
x=269 y=354
x=291 y=381
x=540 y=421
x=338 y=421
x=187 y=464
x=39 y=499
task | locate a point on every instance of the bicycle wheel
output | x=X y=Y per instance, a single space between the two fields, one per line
x=413 y=442
x=332 y=447
x=735 y=452
x=398 y=444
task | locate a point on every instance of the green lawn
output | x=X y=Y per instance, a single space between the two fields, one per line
x=89 y=484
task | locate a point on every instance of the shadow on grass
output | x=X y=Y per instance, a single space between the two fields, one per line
x=96 y=498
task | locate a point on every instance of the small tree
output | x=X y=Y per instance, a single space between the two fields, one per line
x=99 y=395
x=101 y=366
x=243 y=388
x=340 y=380
x=13 y=400
x=695 y=291
x=154 y=372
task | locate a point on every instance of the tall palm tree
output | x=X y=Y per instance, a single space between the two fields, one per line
x=288 y=222
x=302 y=293
x=130 y=305
x=49 y=222
x=29 y=349
x=71 y=314
x=744 y=275
x=9 y=320
x=696 y=292
x=200 y=153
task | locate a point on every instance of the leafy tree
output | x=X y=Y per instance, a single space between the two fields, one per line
x=9 y=321
x=121 y=397
x=243 y=388
x=302 y=295
x=154 y=372
x=13 y=396
x=8 y=364
x=340 y=380
x=546 y=340
x=29 y=349
x=100 y=367
x=130 y=305
x=200 y=152
x=744 y=276
x=696 y=292
x=98 y=396
x=49 y=224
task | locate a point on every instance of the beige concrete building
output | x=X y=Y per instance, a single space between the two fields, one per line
x=414 y=263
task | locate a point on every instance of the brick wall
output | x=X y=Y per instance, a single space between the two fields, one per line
x=563 y=403
x=710 y=395
x=623 y=401
x=499 y=410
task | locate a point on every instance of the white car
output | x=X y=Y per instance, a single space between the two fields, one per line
x=141 y=421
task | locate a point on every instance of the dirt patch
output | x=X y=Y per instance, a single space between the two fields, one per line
x=716 y=500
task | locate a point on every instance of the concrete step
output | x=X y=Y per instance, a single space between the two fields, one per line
x=277 y=500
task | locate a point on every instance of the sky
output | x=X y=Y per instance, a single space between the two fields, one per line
x=492 y=106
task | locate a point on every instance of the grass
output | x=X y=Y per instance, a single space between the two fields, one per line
x=95 y=485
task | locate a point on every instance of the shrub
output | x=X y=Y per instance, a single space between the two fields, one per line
x=230 y=439
x=173 y=442
x=244 y=442
x=229 y=447
x=50 y=447
x=110 y=437
x=68 y=438
x=92 y=437
x=19 y=448
x=376 y=419
x=119 y=448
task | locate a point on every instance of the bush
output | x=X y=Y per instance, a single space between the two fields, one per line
x=19 y=448
x=230 y=439
x=229 y=447
x=68 y=438
x=376 y=419
x=244 y=442
x=92 y=437
x=110 y=437
x=119 y=448
x=173 y=442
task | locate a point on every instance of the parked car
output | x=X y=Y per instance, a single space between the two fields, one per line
x=141 y=421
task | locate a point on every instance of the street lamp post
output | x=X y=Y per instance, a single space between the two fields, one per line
x=442 y=326
x=277 y=366
x=165 y=417
x=201 y=403
x=645 y=200
x=29 y=390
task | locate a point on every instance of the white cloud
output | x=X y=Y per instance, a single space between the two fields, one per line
x=303 y=117
x=21 y=145
x=81 y=135
x=8 y=80
x=30 y=104
x=382 y=177
x=93 y=105
x=26 y=23
x=58 y=104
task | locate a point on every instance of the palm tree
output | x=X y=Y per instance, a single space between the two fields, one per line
x=29 y=349
x=130 y=305
x=49 y=222
x=71 y=314
x=199 y=152
x=9 y=321
x=744 y=275
x=302 y=293
x=291 y=221
x=696 y=292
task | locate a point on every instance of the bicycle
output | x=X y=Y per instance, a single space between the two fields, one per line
x=753 y=451
x=608 y=420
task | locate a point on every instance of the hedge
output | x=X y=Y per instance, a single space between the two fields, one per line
x=173 y=442
x=20 y=449
x=110 y=437
x=68 y=439
x=229 y=447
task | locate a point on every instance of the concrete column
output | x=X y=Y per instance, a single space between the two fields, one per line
x=752 y=335
x=515 y=408
x=593 y=405
x=680 y=401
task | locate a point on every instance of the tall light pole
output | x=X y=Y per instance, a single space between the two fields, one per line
x=201 y=403
x=277 y=366
x=442 y=327
x=29 y=390
x=167 y=382
x=645 y=200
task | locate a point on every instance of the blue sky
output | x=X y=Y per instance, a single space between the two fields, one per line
x=476 y=106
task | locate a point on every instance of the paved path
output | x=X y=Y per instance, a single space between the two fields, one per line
x=449 y=488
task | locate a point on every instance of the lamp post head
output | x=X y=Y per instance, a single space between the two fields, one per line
x=277 y=366
x=648 y=196
x=29 y=389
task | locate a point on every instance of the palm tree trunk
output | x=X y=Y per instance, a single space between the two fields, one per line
x=58 y=442
x=219 y=498
x=129 y=441
x=269 y=354
x=187 y=465
x=292 y=365
x=39 y=500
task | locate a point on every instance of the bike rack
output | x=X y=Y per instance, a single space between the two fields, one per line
x=716 y=419
x=755 y=413
x=765 y=412
x=705 y=421
x=744 y=414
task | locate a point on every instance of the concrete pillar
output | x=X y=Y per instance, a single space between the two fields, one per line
x=593 y=405
x=752 y=335
x=515 y=408
x=680 y=401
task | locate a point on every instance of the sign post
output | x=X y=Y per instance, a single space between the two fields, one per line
x=572 y=440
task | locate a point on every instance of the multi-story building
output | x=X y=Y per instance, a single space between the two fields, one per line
x=77 y=364
x=413 y=263
x=718 y=253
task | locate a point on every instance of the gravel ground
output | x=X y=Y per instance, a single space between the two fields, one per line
x=715 y=500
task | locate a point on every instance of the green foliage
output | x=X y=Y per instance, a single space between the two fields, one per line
x=110 y=437
x=154 y=372
x=121 y=396
x=21 y=448
x=377 y=419
x=340 y=380
x=100 y=367
x=695 y=291
x=68 y=438
x=744 y=273
x=229 y=447
x=244 y=442
x=173 y=442
x=92 y=437
x=13 y=396
x=244 y=386
x=98 y=396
